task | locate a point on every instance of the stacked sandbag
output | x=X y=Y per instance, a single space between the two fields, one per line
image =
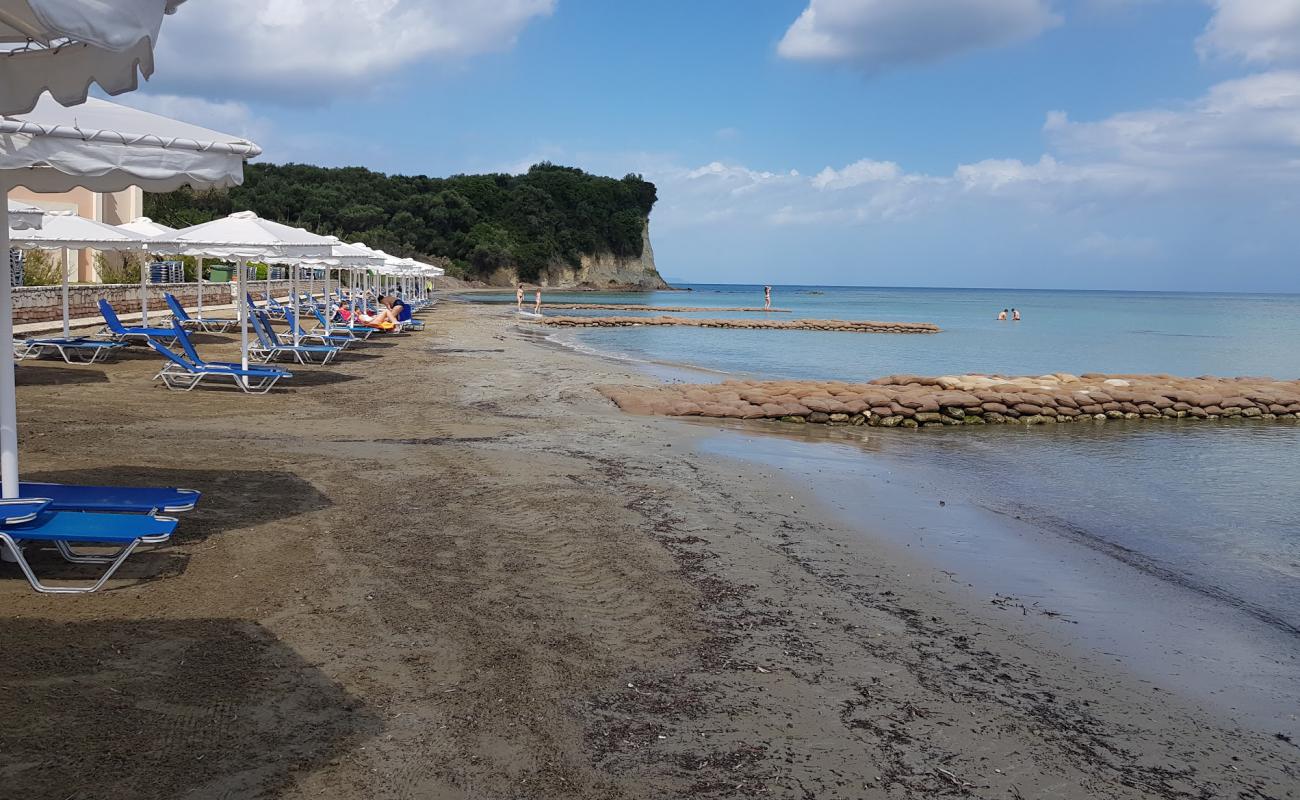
x=912 y=401
x=847 y=326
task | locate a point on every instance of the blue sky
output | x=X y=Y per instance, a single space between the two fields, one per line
x=1146 y=144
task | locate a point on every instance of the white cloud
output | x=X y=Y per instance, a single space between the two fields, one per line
x=1253 y=31
x=1242 y=130
x=879 y=34
x=856 y=174
x=305 y=51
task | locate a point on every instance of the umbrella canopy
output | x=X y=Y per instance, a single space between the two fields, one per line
x=64 y=229
x=23 y=216
x=145 y=227
x=106 y=147
x=246 y=236
x=62 y=46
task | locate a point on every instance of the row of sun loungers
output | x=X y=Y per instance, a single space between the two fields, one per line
x=114 y=521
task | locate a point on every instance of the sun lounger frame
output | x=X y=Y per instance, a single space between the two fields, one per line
x=271 y=347
x=13 y=539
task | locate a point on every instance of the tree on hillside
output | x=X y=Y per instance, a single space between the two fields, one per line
x=549 y=215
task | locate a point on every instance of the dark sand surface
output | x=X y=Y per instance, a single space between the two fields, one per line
x=448 y=568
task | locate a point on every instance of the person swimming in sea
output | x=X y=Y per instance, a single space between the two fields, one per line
x=767 y=298
x=519 y=297
x=1015 y=315
x=1002 y=315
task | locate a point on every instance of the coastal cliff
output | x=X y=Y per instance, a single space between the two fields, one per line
x=603 y=270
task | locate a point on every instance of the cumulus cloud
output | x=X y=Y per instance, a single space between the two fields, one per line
x=878 y=34
x=1242 y=130
x=303 y=51
x=856 y=174
x=1253 y=31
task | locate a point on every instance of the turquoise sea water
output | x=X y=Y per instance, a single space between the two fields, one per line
x=1212 y=509
x=1187 y=334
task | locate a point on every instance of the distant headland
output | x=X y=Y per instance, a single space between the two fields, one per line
x=553 y=226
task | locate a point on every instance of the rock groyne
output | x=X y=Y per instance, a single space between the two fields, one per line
x=911 y=401
x=848 y=326
x=673 y=309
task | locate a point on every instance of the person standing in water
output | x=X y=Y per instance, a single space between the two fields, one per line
x=1002 y=315
x=1015 y=315
x=767 y=298
x=519 y=297
x=537 y=302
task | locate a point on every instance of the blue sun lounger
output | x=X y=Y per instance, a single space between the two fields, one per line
x=115 y=331
x=120 y=499
x=209 y=324
x=74 y=350
x=270 y=346
x=32 y=521
x=184 y=371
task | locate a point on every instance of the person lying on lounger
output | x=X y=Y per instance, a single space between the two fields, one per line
x=385 y=319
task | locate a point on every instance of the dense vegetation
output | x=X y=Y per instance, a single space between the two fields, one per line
x=480 y=222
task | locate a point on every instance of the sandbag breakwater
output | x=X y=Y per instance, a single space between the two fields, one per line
x=911 y=401
x=672 y=309
x=847 y=326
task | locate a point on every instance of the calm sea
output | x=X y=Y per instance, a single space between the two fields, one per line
x=1211 y=508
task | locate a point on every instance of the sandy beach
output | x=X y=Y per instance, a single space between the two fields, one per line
x=449 y=568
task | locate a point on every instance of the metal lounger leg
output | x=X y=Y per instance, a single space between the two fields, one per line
x=17 y=551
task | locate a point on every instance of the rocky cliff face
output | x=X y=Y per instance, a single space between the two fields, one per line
x=601 y=271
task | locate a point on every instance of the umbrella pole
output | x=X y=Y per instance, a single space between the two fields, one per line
x=200 y=275
x=144 y=294
x=8 y=393
x=296 y=302
x=242 y=302
x=66 y=332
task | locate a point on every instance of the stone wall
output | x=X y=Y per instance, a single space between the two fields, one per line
x=45 y=303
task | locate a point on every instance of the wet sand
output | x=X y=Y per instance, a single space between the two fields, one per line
x=448 y=568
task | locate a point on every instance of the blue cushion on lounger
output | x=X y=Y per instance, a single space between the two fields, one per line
x=67 y=497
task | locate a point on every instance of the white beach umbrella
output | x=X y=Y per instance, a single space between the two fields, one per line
x=63 y=46
x=23 y=216
x=147 y=228
x=107 y=148
x=243 y=237
x=64 y=230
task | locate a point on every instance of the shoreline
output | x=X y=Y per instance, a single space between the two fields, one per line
x=489 y=582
